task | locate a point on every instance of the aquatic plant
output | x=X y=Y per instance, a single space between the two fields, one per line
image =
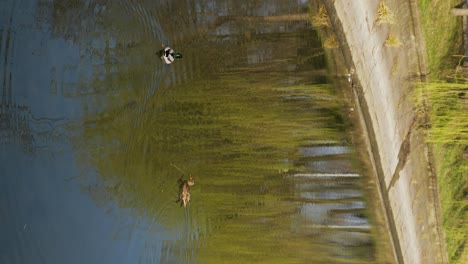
x=384 y=15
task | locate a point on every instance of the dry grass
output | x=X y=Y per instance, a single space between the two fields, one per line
x=321 y=19
x=384 y=15
x=392 y=41
x=394 y=68
x=331 y=42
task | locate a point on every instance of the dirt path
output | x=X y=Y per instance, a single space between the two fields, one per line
x=408 y=186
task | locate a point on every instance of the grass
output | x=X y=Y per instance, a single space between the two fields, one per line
x=384 y=15
x=453 y=201
x=442 y=34
x=446 y=107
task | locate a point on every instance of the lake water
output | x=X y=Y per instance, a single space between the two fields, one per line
x=95 y=131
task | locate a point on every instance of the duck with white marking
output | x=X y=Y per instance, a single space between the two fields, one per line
x=168 y=55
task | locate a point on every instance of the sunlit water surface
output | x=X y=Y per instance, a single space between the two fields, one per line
x=95 y=131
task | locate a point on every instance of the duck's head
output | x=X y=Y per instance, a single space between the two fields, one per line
x=178 y=56
x=191 y=181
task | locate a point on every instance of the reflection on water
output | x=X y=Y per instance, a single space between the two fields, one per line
x=249 y=112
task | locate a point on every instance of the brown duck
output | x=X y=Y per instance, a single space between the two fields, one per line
x=184 y=190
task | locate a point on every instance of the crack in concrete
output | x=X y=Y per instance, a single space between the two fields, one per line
x=402 y=155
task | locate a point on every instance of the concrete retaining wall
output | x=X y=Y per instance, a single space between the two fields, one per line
x=383 y=86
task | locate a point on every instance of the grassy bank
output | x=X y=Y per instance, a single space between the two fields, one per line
x=447 y=108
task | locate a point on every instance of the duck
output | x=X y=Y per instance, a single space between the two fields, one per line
x=184 y=190
x=168 y=55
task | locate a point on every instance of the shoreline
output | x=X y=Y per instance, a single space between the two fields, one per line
x=401 y=159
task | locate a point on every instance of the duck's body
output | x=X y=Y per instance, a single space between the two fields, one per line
x=184 y=190
x=168 y=55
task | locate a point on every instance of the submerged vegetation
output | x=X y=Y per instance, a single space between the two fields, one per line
x=446 y=106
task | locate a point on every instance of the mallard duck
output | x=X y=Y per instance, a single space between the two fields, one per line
x=184 y=190
x=168 y=55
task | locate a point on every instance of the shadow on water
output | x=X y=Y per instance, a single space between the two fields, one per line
x=249 y=112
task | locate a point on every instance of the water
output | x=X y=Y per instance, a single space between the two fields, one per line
x=95 y=131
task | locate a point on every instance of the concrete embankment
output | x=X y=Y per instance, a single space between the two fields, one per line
x=382 y=82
